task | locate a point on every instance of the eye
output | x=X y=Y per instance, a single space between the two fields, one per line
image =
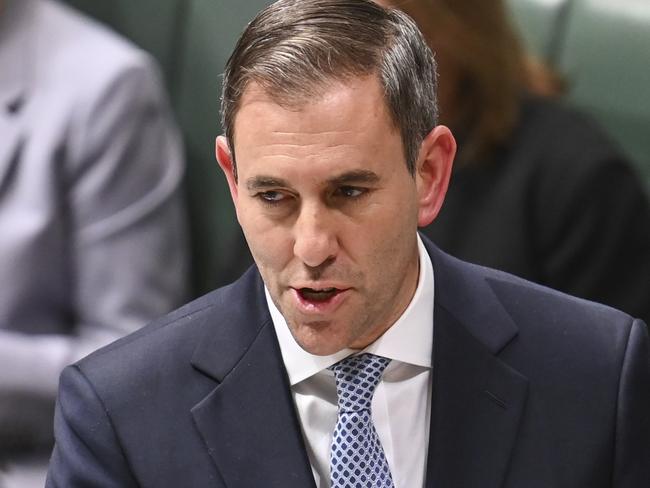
x=351 y=191
x=271 y=197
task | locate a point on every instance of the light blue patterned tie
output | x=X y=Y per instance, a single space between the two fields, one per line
x=357 y=459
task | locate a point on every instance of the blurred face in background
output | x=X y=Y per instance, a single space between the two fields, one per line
x=330 y=210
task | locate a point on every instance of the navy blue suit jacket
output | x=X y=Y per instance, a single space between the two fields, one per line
x=531 y=388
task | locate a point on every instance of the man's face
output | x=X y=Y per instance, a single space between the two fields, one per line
x=329 y=211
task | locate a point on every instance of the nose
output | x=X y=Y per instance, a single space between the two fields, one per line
x=315 y=240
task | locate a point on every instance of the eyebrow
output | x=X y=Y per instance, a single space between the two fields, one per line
x=354 y=177
x=261 y=182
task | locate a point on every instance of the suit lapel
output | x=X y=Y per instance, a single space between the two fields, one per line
x=477 y=400
x=248 y=422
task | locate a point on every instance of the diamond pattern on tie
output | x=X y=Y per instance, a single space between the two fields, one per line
x=357 y=459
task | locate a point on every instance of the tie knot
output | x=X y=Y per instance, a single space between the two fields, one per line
x=356 y=380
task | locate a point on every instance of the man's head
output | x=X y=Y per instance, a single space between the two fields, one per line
x=295 y=48
x=324 y=190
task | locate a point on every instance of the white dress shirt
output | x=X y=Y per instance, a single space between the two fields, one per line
x=402 y=402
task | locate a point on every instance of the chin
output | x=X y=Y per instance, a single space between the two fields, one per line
x=316 y=344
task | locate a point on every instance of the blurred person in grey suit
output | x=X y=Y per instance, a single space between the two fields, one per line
x=92 y=225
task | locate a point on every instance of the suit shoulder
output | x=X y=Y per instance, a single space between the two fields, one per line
x=179 y=329
x=158 y=362
x=562 y=324
x=534 y=305
x=581 y=150
x=546 y=302
x=85 y=38
x=574 y=131
x=176 y=334
x=66 y=41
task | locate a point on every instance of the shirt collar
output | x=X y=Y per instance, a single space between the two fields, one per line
x=408 y=340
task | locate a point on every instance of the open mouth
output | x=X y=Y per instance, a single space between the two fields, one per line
x=314 y=295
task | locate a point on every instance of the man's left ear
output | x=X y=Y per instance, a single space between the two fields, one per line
x=433 y=171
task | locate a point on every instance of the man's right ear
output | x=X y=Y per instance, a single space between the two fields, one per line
x=227 y=163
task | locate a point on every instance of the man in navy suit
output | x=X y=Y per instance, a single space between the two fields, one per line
x=334 y=158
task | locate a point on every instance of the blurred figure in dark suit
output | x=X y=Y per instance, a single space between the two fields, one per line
x=538 y=190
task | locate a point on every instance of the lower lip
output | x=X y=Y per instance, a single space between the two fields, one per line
x=319 y=308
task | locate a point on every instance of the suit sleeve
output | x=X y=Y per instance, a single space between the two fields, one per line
x=125 y=174
x=126 y=237
x=127 y=247
x=87 y=452
x=632 y=441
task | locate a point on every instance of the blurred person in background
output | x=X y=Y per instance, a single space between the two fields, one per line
x=91 y=220
x=538 y=190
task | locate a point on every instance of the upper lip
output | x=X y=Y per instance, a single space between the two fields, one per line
x=320 y=286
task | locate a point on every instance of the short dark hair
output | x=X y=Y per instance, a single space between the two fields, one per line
x=294 y=48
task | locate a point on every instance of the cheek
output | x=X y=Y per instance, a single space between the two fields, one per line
x=395 y=230
x=383 y=237
x=390 y=218
x=269 y=243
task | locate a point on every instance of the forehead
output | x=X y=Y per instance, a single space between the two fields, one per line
x=340 y=96
x=346 y=127
x=347 y=117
